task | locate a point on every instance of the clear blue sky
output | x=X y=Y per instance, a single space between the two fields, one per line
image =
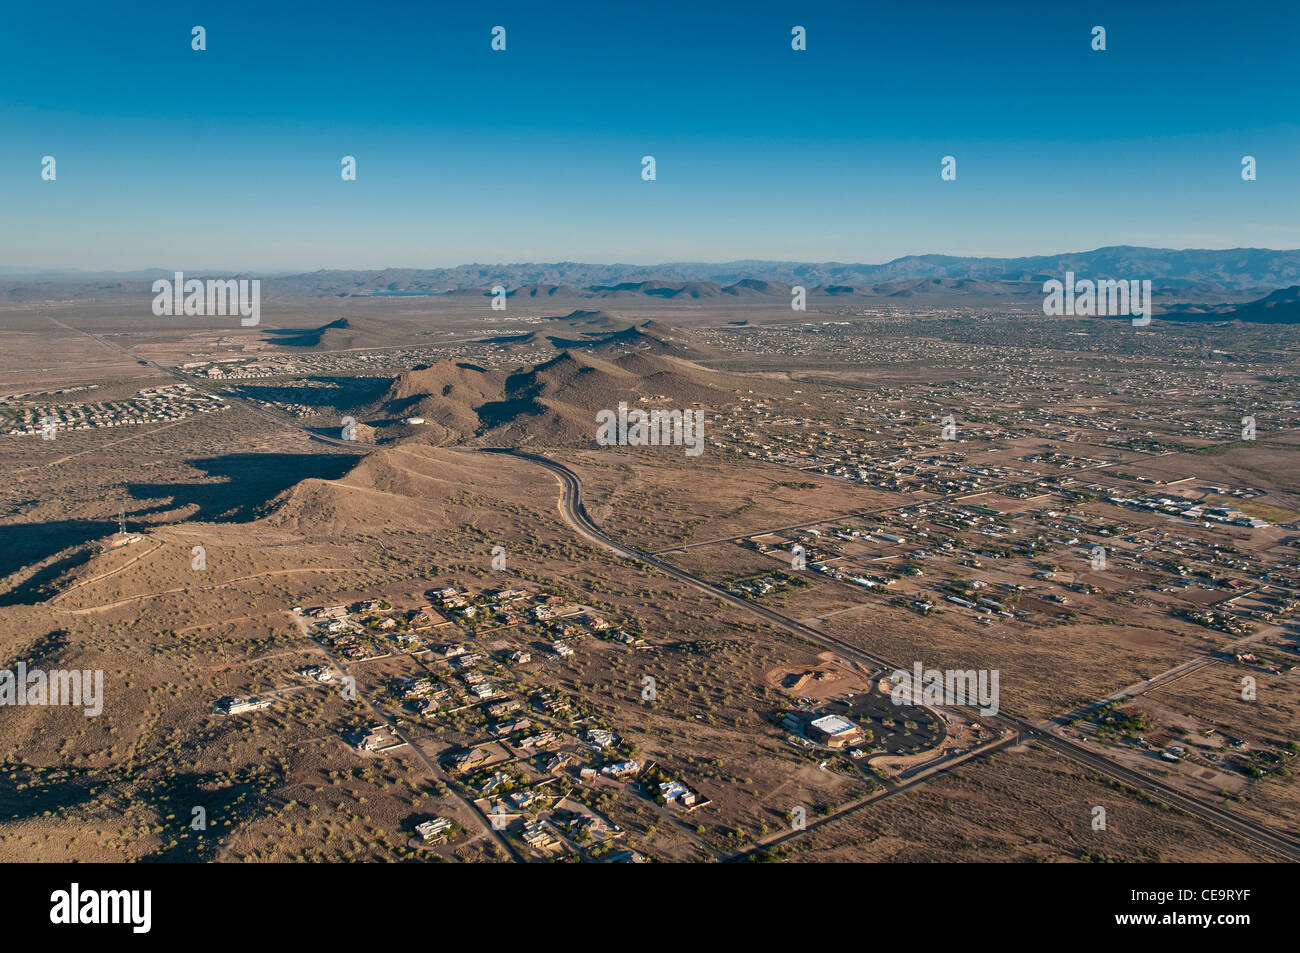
x=229 y=158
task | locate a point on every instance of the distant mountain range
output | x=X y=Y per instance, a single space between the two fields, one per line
x=1280 y=307
x=1187 y=274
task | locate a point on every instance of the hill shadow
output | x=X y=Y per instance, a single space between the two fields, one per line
x=244 y=483
x=498 y=412
x=22 y=544
x=303 y=337
x=342 y=393
x=226 y=805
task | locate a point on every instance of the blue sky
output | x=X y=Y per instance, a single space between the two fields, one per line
x=229 y=158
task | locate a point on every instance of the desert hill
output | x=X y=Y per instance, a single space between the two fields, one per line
x=337 y=335
x=1279 y=307
x=607 y=335
x=591 y=319
x=444 y=394
x=758 y=288
x=555 y=402
x=424 y=487
x=650 y=336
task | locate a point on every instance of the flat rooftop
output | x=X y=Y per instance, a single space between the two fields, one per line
x=834 y=725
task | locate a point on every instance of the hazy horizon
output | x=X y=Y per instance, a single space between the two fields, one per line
x=55 y=271
x=465 y=154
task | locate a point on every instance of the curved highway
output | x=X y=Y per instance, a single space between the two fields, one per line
x=573 y=511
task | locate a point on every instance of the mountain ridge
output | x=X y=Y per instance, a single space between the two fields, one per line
x=1206 y=270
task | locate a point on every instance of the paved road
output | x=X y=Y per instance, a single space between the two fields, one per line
x=575 y=513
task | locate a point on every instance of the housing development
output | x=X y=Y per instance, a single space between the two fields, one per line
x=452 y=450
x=406 y=603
